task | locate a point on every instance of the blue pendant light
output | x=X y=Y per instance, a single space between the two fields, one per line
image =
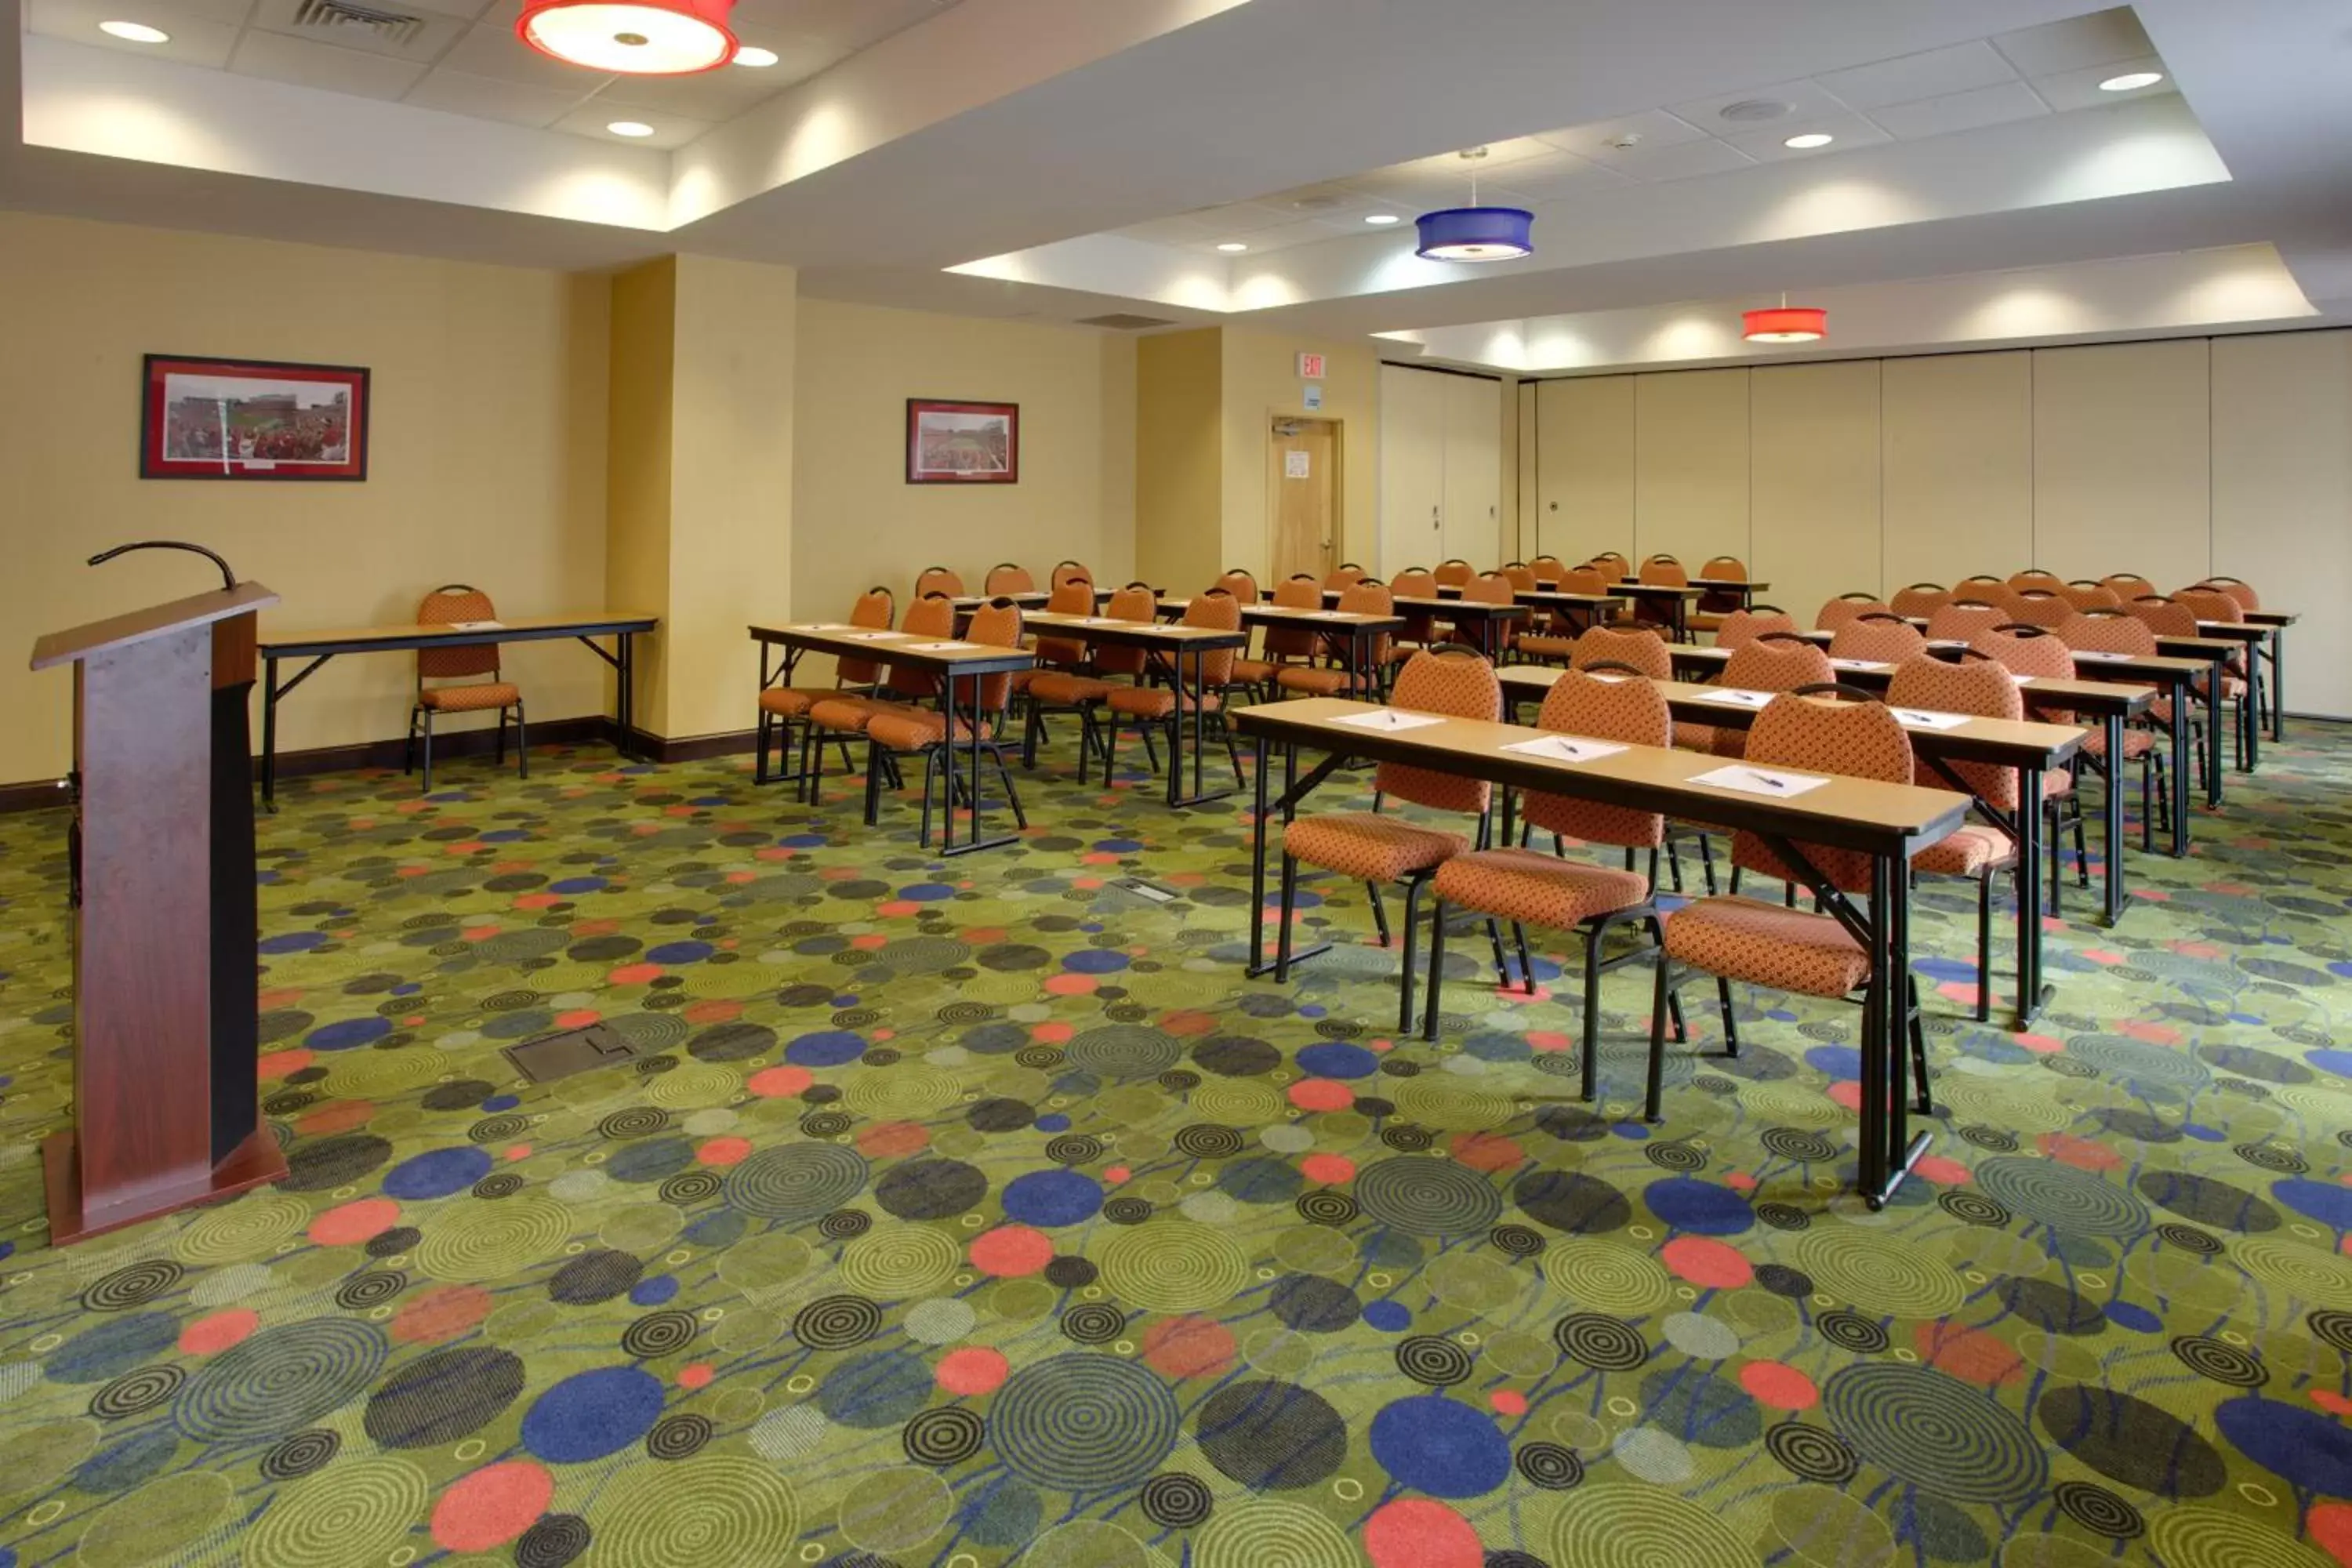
x=1476 y=233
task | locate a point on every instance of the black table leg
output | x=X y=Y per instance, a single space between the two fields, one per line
x=1257 y=861
x=2111 y=815
x=2179 y=769
x=1902 y=1148
x=2213 y=731
x=1199 y=720
x=2278 y=684
x=1870 y=1159
x=269 y=736
x=2029 y=847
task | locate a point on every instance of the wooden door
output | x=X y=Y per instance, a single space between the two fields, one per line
x=1302 y=474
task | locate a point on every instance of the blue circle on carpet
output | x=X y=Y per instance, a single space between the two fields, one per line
x=1386 y=1316
x=2133 y=1316
x=1837 y=1061
x=294 y=941
x=1052 y=1198
x=1095 y=961
x=111 y=1349
x=437 y=1172
x=1701 y=1207
x=1118 y=845
x=2202 y=1133
x=926 y=892
x=653 y=1293
x=802 y=841
x=1440 y=1446
x=826 y=1048
x=1946 y=968
x=2336 y=1062
x=681 y=952
x=1337 y=1058
x=502 y=1102
x=2325 y=1201
x=592 y=1414
x=579 y=885
x=1056 y=1123
x=348 y=1034
x=2307 y=1450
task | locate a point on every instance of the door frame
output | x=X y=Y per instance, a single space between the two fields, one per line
x=1339 y=482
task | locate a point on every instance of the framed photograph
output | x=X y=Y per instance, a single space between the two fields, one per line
x=950 y=442
x=251 y=419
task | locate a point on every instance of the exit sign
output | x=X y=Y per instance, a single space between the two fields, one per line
x=1311 y=367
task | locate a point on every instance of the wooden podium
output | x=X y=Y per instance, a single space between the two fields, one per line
x=166 y=943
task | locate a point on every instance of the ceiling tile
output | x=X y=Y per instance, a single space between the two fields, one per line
x=233 y=12
x=193 y=41
x=590 y=119
x=1938 y=73
x=1565 y=180
x=425 y=43
x=1961 y=111
x=1181 y=230
x=712 y=96
x=305 y=64
x=1681 y=161
x=490 y=48
x=846 y=24
x=2080 y=89
x=797 y=58
x=1805 y=100
x=2075 y=44
x=464 y=10
x=455 y=92
x=1851 y=130
x=1281 y=236
x=1654 y=128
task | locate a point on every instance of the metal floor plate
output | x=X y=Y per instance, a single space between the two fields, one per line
x=551 y=1056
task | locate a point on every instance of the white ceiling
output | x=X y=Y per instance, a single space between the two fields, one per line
x=462 y=56
x=2020 y=75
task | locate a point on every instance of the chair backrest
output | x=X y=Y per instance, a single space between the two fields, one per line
x=1583 y=580
x=2238 y=588
x=937 y=580
x=996 y=625
x=1857 y=740
x=1218 y=611
x=1490 y=588
x=1239 y=584
x=2035 y=578
x=1741 y=627
x=1920 y=599
x=929 y=619
x=1776 y=662
x=2085 y=595
x=1722 y=569
x=450 y=603
x=1963 y=619
x=1415 y=583
x=2026 y=650
x=1638 y=649
x=1978 y=686
x=2208 y=604
x=1881 y=634
x=1454 y=573
x=1346 y=572
x=1297 y=592
x=1074 y=596
x=872 y=611
x=1845 y=607
x=1612 y=565
x=2126 y=585
x=1666 y=571
x=2165 y=617
x=1136 y=602
x=1461 y=685
x=1007 y=577
x=1522 y=576
x=1070 y=571
x=1548 y=569
x=2107 y=632
x=1369 y=596
x=1633 y=712
x=2040 y=608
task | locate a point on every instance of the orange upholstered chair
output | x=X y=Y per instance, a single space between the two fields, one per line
x=1419 y=628
x=2041 y=607
x=1635 y=647
x=1522 y=576
x=1282 y=646
x=939 y=579
x=1346 y=572
x=446 y=605
x=1881 y=637
x=1982 y=851
x=2035 y=578
x=1377 y=846
x=2208 y=604
x=784 y=709
x=1527 y=887
x=1238 y=582
x=1072 y=571
x=1070 y=690
x=2126 y=585
x=2113 y=631
x=1070 y=596
x=1707 y=613
x=1168 y=706
x=894 y=729
x=2172 y=618
x=1665 y=572
x=1846 y=607
x=2238 y=588
x=1920 y=599
x=930 y=619
x=2035 y=653
x=1984 y=589
x=2085 y=595
x=1773 y=661
x=1741 y=627
x=1736 y=938
x=1008 y=577
x=1612 y=566
x=1963 y=619
x=1549 y=569
x=1557 y=642
x=1454 y=572
x=1334 y=678
x=1487 y=588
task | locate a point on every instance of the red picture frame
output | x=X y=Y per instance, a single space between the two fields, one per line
x=952 y=442
x=251 y=419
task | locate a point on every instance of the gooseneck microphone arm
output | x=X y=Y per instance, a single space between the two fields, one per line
x=228 y=578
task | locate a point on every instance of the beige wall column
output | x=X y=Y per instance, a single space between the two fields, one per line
x=699 y=524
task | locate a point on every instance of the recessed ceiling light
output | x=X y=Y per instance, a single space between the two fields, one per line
x=750 y=56
x=134 y=32
x=2130 y=82
x=1809 y=140
x=1232 y=247
x=630 y=128
x=1383 y=219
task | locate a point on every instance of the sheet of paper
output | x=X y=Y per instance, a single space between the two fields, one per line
x=829 y=626
x=1858 y=663
x=1928 y=719
x=476 y=625
x=943 y=648
x=1947 y=642
x=2097 y=657
x=1614 y=680
x=863 y=636
x=1389 y=719
x=1774 y=781
x=1565 y=748
x=1737 y=696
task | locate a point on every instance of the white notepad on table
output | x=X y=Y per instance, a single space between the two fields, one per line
x=1565 y=748
x=1858 y=663
x=2021 y=679
x=943 y=648
x=1947 y=642
x=1928 y=719
x=477 y=625
x=1737 y=696
x=1612 y=679
x=829 y=626
x=2101 y=657
x=863 y=636
x=1389 y=719
x=1776 y=783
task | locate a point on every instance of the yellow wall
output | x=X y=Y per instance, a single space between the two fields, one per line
x=1260 y=380
x=487 y=456
x=1180 y=457
x=859 y=524
x=637 y=475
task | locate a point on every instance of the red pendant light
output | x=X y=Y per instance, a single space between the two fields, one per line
x=1785 y=324
x=631 y=37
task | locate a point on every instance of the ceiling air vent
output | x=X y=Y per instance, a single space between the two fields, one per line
x=1123 y=321
x=1749 y=110
x=347 y=24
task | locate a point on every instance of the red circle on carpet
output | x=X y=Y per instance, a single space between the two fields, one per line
x=1012 y=1249
x=492 y=1506
x=1414 y=1532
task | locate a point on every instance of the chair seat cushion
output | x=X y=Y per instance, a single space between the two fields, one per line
x=1253 y=671
x=1317 y=682
x=1696 y=737
x=793 y=701
x=2136 y=743
x=1539 y=889
x=1765 y=944
x=1369 y=847
x=1537 y=645
x=2058 y=784
x=902 y=729
x=470 y=699
x=1970 y=850
x=843 y=713
x=1070 y=690
x=1158 y=701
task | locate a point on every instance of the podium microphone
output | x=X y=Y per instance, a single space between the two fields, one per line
x=228 y=578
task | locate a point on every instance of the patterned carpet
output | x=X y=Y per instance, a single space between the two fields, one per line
x=981 y=1212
